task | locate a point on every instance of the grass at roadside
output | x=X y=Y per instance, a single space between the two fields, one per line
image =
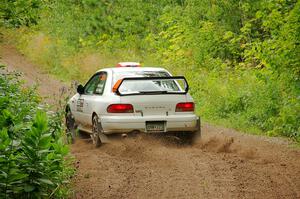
x=58 y=58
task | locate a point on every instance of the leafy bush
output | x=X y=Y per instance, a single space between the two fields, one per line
x=15 y=13
x=34 y=160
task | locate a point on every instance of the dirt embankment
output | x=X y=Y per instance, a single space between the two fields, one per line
x=223 y=164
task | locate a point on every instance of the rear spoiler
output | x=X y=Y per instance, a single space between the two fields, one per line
x=119 y=83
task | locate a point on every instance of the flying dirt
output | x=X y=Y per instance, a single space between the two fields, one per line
x=222 y=164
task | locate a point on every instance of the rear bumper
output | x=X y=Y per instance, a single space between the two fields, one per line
x=174 y=123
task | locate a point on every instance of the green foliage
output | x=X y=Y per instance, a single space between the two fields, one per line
x=240 y=57
x=33 y=161
x=15 y=13
x=248 y=100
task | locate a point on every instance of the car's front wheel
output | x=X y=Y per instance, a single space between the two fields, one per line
x=70 y=126
x=96 y=130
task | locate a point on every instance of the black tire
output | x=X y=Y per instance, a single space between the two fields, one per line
x=70 y=127
x=190 y=137
x=96 y=129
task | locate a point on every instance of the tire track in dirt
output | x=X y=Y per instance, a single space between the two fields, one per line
x=223 y=164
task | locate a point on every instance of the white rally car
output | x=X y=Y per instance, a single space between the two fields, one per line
x=129 y=98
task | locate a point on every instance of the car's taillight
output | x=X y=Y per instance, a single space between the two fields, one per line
x=120 y=108
x=185 y=107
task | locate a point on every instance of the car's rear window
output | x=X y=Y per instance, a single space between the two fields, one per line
x=131 y=86
x=120 y=75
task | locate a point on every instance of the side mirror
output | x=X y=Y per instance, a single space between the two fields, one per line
x=80 y=89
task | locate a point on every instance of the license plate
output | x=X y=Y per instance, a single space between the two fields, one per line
x=155 y=127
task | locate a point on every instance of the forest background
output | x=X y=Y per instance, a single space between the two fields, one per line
x=241 y=58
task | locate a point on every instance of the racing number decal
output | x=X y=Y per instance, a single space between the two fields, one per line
x=80 y=105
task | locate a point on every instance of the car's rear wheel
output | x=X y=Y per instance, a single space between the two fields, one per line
x=191 y=137
x=96 y=130
x=188 y=137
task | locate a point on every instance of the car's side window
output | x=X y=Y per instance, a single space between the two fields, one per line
x=96 y=84
x=91 y=85
x=101 y=83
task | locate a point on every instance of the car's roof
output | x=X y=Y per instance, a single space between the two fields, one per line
x=125 y=69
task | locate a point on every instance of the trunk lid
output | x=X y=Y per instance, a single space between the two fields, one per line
x=146 y=105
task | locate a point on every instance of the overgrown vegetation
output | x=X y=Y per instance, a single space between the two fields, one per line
x=34 y=160
x=240 y=57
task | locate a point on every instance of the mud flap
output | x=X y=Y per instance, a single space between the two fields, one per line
x=102 y=136
x=199 y=127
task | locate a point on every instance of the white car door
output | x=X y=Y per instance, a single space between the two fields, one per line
x=78 y=108
x=93 y=94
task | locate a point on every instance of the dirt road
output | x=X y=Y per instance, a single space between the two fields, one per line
x=223 y=164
